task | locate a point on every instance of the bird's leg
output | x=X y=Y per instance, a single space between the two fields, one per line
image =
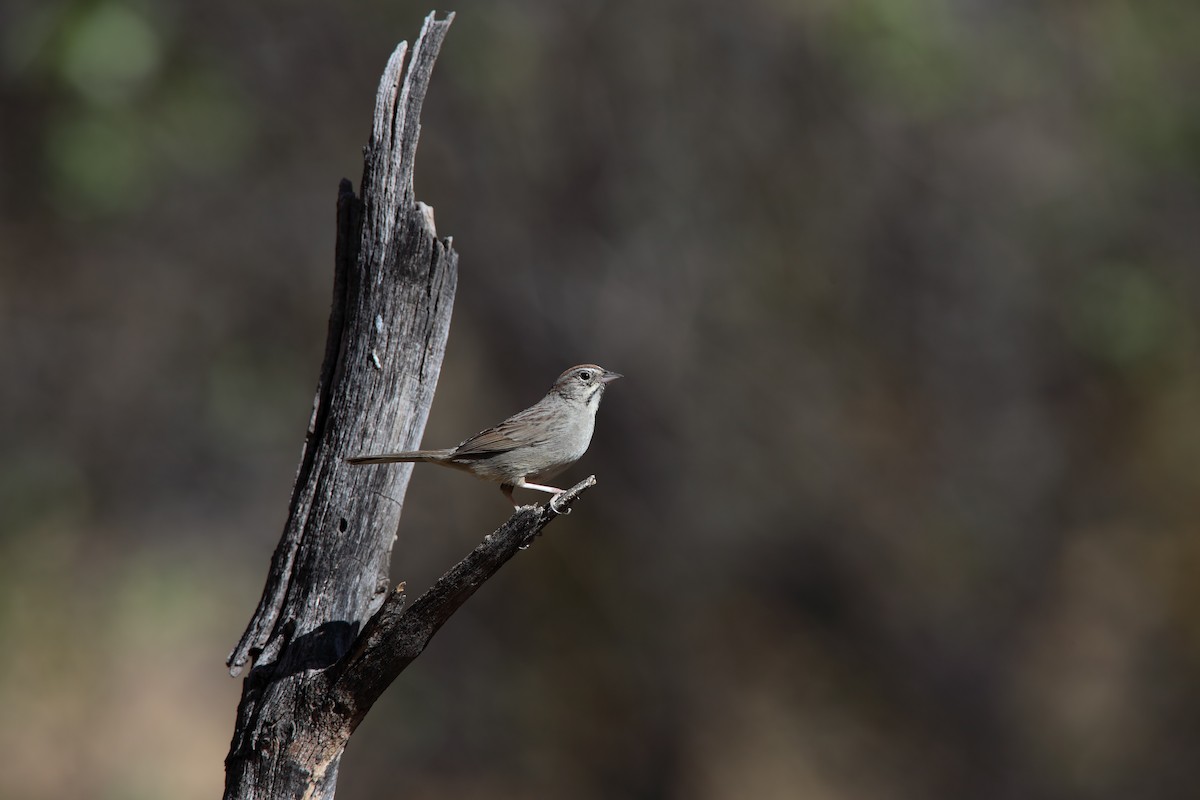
x=523 y=484
x=507 y=488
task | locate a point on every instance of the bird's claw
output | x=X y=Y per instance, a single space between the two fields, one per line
x=554 y=505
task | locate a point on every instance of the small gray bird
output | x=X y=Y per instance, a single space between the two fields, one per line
x=537 y=443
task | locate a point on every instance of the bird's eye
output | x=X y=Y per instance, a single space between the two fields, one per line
x=585 y=375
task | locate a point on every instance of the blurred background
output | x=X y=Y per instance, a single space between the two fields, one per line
x=898 y=499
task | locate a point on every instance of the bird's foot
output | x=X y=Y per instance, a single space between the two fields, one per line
x=555 y=507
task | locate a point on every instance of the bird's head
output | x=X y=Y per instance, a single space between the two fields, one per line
x=584 y=383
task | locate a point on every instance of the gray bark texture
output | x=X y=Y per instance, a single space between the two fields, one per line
x=329 y=634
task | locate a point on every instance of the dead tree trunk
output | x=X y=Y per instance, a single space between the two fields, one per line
x=329 y=635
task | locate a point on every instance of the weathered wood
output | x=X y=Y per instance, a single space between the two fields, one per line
x=395 y=636
x=394 y=290
x=328 y=636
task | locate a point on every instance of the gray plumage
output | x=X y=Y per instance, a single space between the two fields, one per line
x=535 y=444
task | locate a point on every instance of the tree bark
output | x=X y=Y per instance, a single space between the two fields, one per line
x=328 y=635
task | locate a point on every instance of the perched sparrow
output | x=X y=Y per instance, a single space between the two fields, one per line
x=536 y=443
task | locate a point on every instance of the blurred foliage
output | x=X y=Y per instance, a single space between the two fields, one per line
x=898 y=499
x=125 y=101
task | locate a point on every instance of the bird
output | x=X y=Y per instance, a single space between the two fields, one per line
x=535 y=444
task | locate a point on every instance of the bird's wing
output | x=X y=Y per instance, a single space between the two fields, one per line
x=519 y=430
x=486 y=443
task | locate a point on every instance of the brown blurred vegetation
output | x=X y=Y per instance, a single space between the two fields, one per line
x=899 y=498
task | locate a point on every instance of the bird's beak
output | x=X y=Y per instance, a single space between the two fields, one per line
x=609 y=376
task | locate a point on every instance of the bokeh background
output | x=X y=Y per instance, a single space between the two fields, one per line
x=899 y=498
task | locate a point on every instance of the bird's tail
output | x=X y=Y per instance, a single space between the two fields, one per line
x=392 y=458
